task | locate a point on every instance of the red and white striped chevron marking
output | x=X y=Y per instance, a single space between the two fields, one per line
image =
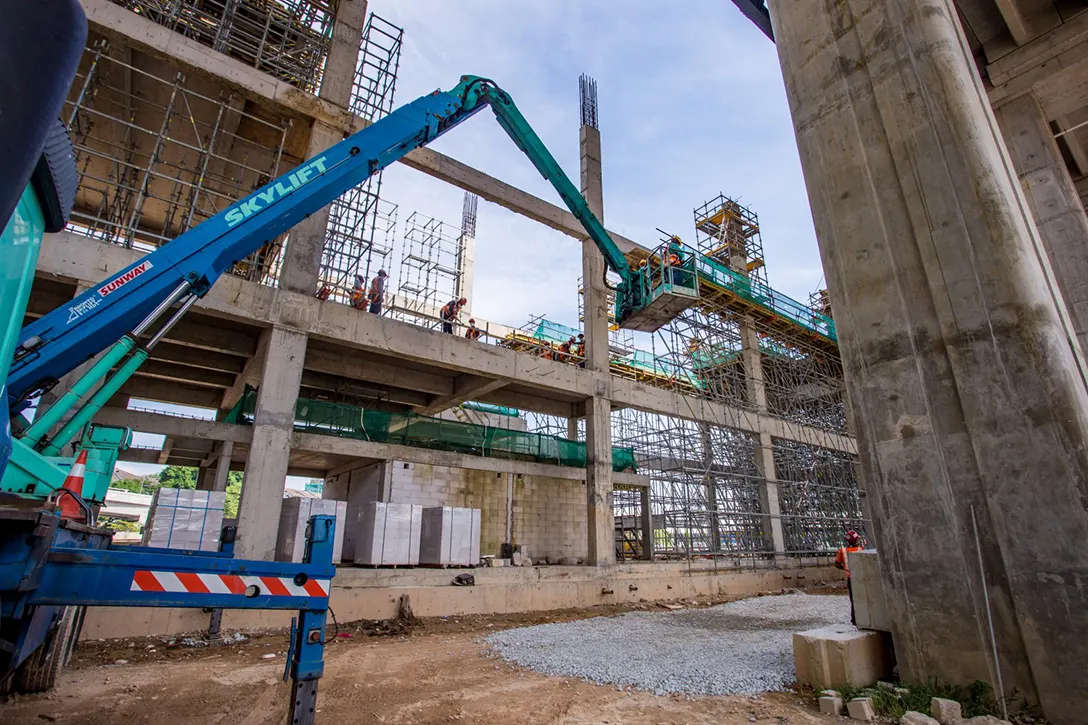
x=181 y=581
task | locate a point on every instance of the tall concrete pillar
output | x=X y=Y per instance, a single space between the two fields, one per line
x=266 y=462
x=600 y=519
x=302 y=254
x=968 y=399
x=222 y=466
x=769 y=506
x=1054 y=202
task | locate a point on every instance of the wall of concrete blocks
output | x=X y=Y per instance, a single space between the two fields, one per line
x=546 y=515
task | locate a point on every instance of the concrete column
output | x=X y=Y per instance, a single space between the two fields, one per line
x=773 y=535
x=306 y=241
x=647 y=524
x=266 y=463
x=222 y=468
x=466 y=266
x=302 y=254
x=572 y=429
x=601 y=521
x=204 y=478
x=967 y=394
x=343 y=56
x=1054 y=202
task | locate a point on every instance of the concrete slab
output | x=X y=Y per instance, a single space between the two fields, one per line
x=870 y=601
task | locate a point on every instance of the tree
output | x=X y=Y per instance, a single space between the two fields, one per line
x=177 y=477
x=136 y=485
x=234 y=494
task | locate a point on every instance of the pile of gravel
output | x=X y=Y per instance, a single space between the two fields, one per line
x=740 y=648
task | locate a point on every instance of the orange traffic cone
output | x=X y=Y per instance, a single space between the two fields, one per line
x=69 y=509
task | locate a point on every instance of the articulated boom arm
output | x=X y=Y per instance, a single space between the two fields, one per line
x=188 y=266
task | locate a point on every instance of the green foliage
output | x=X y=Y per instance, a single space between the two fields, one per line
x=177 y=477
x=234 y=494
x=977 y=698
x=136 y=485
x=119 y=524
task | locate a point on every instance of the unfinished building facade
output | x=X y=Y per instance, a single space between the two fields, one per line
x=723 y=444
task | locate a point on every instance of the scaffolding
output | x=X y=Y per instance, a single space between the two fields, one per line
x=288 y=39
x=157 y=153
x=750 y=347
x=429 y=274
x=361 y=230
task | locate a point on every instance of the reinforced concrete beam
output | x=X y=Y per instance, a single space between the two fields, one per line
x=205 y=359
x=164 y=370
x=166 y=391
x=345 y=365
x=386 y=451
x=465 y=387
x=345 y=386
x=336 y=324
x=173 y=426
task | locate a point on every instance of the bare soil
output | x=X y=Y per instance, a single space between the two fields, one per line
x=433 y=671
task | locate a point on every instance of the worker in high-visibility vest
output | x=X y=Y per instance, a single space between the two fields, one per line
x=473 y=332
x=449 y=313
x=580 y=350
x=376 y=296
x=853 y=543
x=358 y=293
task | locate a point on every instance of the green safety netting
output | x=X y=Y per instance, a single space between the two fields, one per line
x=554 y=332
x=492 y=408
x=760 y=294
x=421 y=431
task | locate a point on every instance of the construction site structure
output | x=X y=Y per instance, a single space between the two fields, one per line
x=266 y=329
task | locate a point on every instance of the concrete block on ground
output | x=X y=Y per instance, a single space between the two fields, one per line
x=861 y=708
x=831 y=705
x=916 y=718
x=450 y=536
x=870 y=603
x=984 y=720
x=946 y=712
x=840 y=655
x=388 y=534
x=295 y=514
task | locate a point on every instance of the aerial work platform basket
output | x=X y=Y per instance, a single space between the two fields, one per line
x=666 y=284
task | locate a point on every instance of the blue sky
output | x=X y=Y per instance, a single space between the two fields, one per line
x=691 y=104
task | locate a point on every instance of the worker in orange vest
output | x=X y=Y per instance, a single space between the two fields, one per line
x=853 y=543
x=473 y=332
x=449 y=313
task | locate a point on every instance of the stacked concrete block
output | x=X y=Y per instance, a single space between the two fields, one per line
x=450 y=536
x=841 y=655
x=185 y=519
x=388 y=534
x=295 y=514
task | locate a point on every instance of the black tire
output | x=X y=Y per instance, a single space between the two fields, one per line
x=40 y=671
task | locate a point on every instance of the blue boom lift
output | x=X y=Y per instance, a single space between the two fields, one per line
x=52 y=565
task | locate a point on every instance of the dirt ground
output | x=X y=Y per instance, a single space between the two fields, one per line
x=438 y=671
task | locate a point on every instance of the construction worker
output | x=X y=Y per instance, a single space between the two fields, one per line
x=473 y=332
x=376 y=295
x=564 y=351
x=580 y=350
x=449 y=313
x=358 y=293
x=853 y=543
